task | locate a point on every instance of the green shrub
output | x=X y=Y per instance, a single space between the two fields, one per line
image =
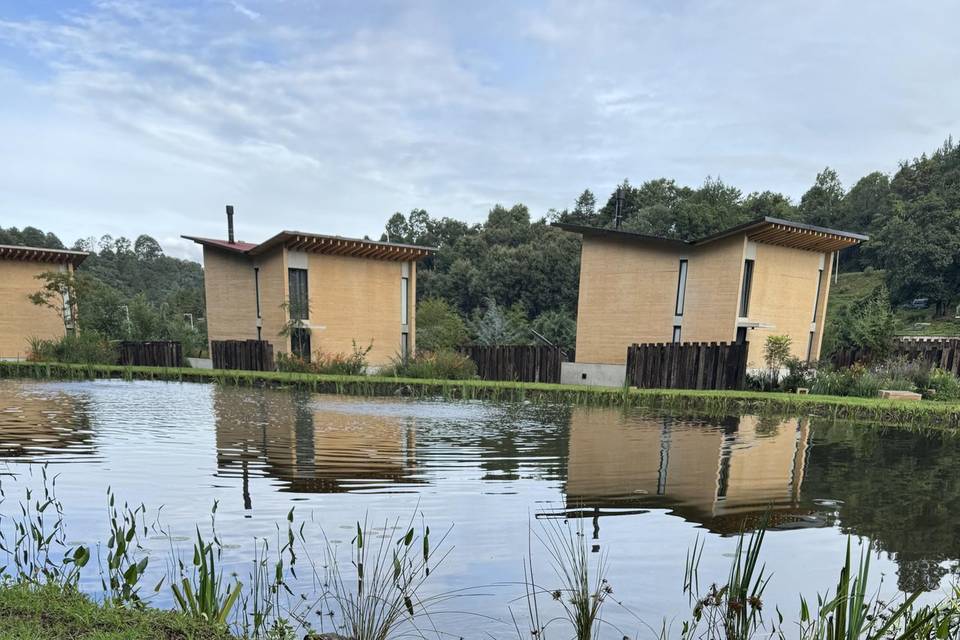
x=942 y=385
x=86 y=347
x=439 y=365
x=799 y=374
x=439 y=326
x=849 y=381
x=340 y=364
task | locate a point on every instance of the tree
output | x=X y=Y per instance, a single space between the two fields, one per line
x=559 y=327
x=60 y=291
x=820 y=205
x=439 y=326
x=498 y=326
x=868 y=324
x=776 y=351
x=147 y=248
x=768 y=203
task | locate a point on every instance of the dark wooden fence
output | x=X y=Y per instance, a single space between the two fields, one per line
x=159 y=353
x=249 y=355
x=687 y=365
x=522 y=363
x=937 y=352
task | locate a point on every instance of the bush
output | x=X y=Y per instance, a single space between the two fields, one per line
x=851 y=381
x=338 y=364
x=86 y=347
x=799 y=374
x=942 y=385
x=439 y=326
x=903 y=373
x=559 y=327
x=438 y=365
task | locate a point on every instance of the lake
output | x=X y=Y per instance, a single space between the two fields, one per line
x=643 y=485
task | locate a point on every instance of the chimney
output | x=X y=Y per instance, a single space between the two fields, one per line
x=230 y=224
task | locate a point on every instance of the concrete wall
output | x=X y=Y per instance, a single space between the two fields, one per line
x=274 y=286
x=230 y=294
x=783 y=295
x=20 y=319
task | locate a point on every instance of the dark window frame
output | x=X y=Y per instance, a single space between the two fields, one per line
x=682 y=275
x=816 y=301
x=299 y=294
x=256 y=288
x=746 y=287
x=405 y=300
x=300 y=343
x=677 y=331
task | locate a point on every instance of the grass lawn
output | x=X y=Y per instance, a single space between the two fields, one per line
x=894 y=412
x=49 y=613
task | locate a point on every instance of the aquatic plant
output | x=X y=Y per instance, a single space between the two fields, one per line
x=205 y=596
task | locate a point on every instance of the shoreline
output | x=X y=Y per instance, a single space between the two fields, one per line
x=924 y=413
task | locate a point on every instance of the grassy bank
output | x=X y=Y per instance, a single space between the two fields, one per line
x=55 y=613
x=940 y=414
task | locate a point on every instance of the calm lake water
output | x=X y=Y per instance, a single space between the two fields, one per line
x=644 y=485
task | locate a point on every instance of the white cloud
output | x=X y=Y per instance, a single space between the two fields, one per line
x=132 y=117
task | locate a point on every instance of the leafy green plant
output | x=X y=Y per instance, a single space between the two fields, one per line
x=126 y=560
x=352 y=364
x=205 y=595
x=799 y=374
x=435 y=365
x=85 y=347
x=776 y=350
x=439 y=326
x=942 y=385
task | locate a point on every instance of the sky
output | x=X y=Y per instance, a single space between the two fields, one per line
x=125 y=117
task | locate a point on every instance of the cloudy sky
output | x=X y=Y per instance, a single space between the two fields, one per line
x=129 y=117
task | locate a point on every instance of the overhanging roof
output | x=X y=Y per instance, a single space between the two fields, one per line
x=337 y=245
x=766 y=230
x=317 y=243
x=42 y=254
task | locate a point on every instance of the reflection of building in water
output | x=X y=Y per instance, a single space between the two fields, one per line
x=311 y=449
x=36 y=425
x=712 y=473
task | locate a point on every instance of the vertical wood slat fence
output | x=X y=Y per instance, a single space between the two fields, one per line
x=687 y=365
x=156 y=353
x=248 y=355
x=520 y=363
x=937 y=352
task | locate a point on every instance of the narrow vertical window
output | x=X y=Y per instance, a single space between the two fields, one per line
x=256 y=287
x=404 y=300
x=404 y=345
x=745 y=288
x=300 y=343
x=810 y=348
x=816 y=301
x=676 y=333
x=681 y=288
x=299 y=299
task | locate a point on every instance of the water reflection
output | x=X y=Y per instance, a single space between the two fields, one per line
x=715 y=473
x=43 y=423
x=491 y=467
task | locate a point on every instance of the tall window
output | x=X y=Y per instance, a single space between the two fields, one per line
x=816 y=301
x=256 y=287
x=745 y=288
x=676 y=333
x=404 y=345
x=681 y=288
x=810 y=348
x=299 y=300
x=404 y=300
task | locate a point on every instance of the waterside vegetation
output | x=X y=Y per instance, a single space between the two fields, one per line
x=892 y=412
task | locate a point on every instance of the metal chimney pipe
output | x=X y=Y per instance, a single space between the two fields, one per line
x=230 y=224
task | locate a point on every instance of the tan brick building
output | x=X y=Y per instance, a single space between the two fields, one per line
x=766 y=277
x=20 y=319
x=341 y=289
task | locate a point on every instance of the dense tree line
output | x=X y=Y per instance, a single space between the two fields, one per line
x=531 y=269
x=131 y=290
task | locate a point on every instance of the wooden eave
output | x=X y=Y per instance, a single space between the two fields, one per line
x=352 y=247
x=799 y=238
x=40 y=254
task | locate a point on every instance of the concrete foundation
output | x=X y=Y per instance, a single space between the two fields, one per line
x=594 y=375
